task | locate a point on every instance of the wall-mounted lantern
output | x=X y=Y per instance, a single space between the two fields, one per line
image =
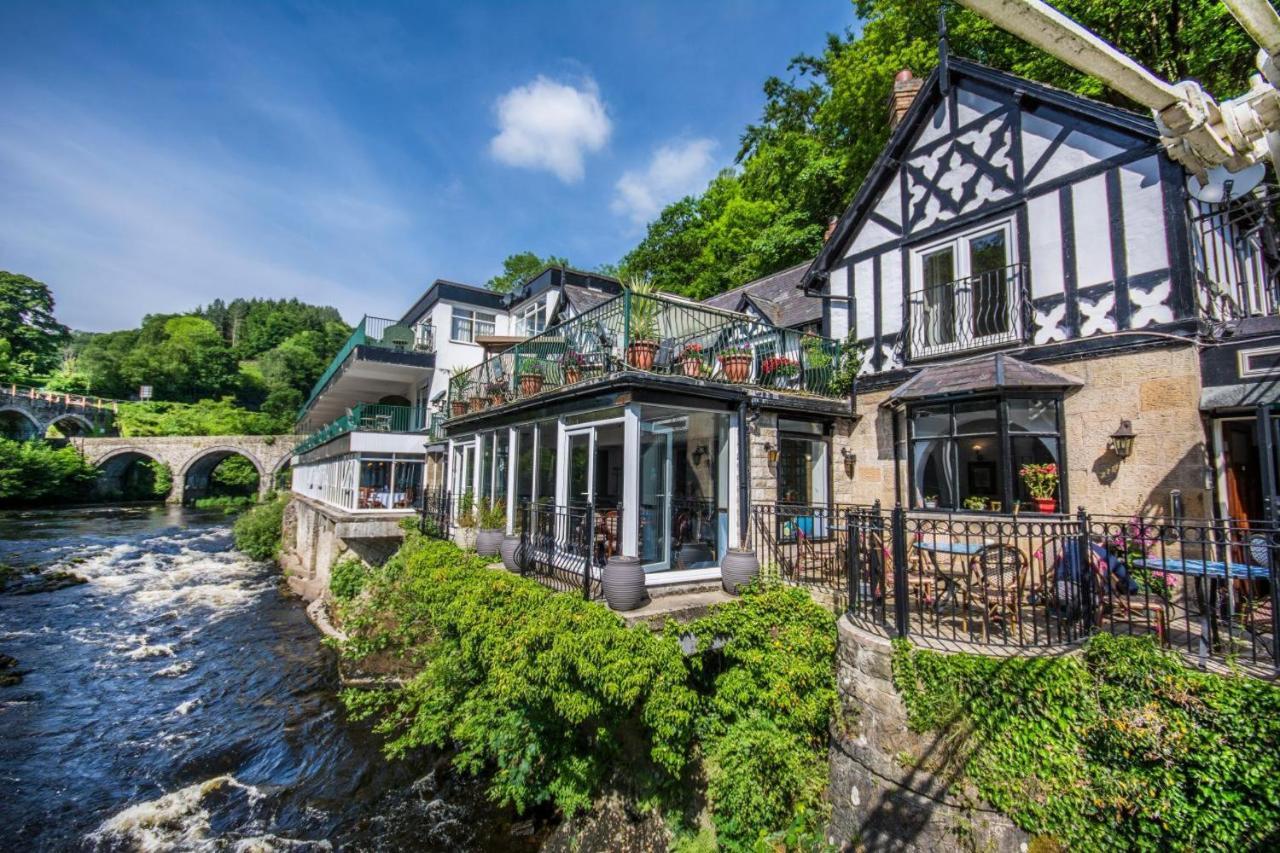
x=850 y=459
x=699 y=453
x=772 y=453
x=1121 y=443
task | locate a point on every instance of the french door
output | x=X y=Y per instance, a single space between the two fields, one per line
x=656 y=460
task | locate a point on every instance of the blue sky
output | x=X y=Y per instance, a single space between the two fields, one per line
x=157 y=155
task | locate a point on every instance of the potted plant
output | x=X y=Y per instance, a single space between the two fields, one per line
x=1041 y=480
x=464 y=529
x=459 y=382
x=643 y=343
x=477 y=403
x=975 y=503
x=690 y=360
x=779 y=371
x=497 y=393
x=736 y=363
x=572 y=364
x=530 y=376
x=493 y=522
x=930 y=501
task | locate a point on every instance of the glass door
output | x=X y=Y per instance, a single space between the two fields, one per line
x=655 y=497
x=580 y=467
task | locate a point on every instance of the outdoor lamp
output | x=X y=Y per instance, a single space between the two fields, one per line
x=772 y=453
x=850 y=458
x=1122 y=440
x=699 y=453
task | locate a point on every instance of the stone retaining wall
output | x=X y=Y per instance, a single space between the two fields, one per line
x=314 y=537
x=888 y=785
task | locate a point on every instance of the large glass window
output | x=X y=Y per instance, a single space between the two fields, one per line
x=501 y=457
x=468 y=324
x=968 y=454
x=803 y=470
x=532 y=318
x=524 y=464
x=408 y=484
x=961 y=294
x=546 y=476
x=375 y=484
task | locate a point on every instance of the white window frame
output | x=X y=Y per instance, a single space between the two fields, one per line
x=472 y=318
x=963 y=311
x=535 y=309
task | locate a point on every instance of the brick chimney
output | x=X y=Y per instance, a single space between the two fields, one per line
x=905 y=88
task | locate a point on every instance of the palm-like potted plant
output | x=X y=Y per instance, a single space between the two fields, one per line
x=1041 y=480
x=530 y=376
x=736 y=362
x=690 y=360
x=459 y=382
x=493 y=521
x=643 y=344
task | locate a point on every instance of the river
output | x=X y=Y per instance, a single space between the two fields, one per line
x=181 y=700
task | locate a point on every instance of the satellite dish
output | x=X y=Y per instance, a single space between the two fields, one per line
x=1223 y=186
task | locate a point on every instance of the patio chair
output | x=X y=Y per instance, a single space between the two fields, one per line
x=997 y=576
x=398 y=337
x=666 y=351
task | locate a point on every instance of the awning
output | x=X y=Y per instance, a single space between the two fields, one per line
x=992 y=373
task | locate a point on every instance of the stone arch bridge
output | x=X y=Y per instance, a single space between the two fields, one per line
x=29 y=412
x=191 y=459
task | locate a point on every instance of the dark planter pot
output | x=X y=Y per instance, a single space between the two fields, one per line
x=488 y=541
x=737 y=569
x=510 y=551
x=624 y=583
x=694 y=552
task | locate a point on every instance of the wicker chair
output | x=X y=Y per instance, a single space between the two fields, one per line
x=997 y=577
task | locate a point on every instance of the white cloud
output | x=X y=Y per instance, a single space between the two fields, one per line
x=550 y=125
x=675 y=170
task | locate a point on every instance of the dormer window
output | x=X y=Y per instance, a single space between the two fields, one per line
x=532 y=318
x=966 y=292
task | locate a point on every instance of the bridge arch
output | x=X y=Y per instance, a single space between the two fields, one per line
x=117 y=473
x=71 y=425
x=280 y=475
x=195 y=473
x=18 y=423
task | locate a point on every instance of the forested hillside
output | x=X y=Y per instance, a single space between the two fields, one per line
x=821 y=130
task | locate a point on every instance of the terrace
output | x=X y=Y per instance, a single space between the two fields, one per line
x=654 y=336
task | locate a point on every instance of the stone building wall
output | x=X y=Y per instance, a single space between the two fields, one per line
x=315 y=537
x=884 y=784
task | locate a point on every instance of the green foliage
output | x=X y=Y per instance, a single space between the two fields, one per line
x=234 y=476
x=145 y=480
x=347 y=578
x=466 y=510
x=554 y=694
x=492 y=516
x=821 y=130
x=207 y=417
x=228 y=504
x=33 y=471
x=30 y=335
x=1123 y=748
x=257 y=532
x=519 y=268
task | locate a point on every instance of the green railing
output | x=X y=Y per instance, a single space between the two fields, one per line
x=653 y=334
x=376 y=332
x=435 y=427
x=365 y=417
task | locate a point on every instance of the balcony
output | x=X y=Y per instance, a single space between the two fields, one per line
x=365 y=417
x=1236 y=251
x=381 y=357
x=966 y=314
x=653 y=335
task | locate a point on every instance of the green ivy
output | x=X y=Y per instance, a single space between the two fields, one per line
x=558 y=700
x=1120 y=748
x=347 y=578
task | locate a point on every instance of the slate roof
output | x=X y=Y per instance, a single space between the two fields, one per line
x=997 y=372
x=584 y=298
x=776 y=297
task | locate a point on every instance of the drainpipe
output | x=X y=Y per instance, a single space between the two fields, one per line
x=744 y=477
x=897 y=467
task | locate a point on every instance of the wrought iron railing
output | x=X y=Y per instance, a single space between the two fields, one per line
x=1236 y=252
x=651 y=334
x=1206 y=588
x=565 y=547
x=436 y=520
x=968 y=313
x=376 y=332
x=365 y=417
x=805 y=542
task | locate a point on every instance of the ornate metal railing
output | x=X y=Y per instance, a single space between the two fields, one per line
x=565 y=547
x=967 y=313
x=651 y=334
x=365 y=417
x=1237 y=254
x=437 y=514
x=376 y=332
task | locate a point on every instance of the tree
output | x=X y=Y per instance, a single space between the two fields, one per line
x=821 y=130
x=27 y=324
x=520 y=267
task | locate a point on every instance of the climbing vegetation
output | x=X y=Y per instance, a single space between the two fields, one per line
x=1121 y=748
x=558 y=701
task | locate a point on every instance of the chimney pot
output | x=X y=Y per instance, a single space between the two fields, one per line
x=906 y=86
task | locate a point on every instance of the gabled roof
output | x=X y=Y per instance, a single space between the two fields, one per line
x=997 y=372
x=775 y=297
x=922 y=108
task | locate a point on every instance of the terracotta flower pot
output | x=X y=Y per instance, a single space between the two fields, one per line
x=640 y=354
x=459 y=408
x=1045 y=504
x=737 y=367
x=496 y=399
x=691 y=367
x=476 y=404
x=571 y=375
x=530 y=383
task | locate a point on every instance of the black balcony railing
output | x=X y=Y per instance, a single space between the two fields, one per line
x=566 y=547
x=1206 y=588
x=969 y=313
x=437 y=514
x=1237 y=254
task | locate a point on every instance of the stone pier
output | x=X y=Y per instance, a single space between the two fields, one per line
x=316 y=536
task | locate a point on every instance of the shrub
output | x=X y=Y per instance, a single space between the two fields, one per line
x=33 y=471
x=1123 y=748
x=229 y=504
x=758 y=773
x=466 y=510
x=257 y=531
x=346 y=578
